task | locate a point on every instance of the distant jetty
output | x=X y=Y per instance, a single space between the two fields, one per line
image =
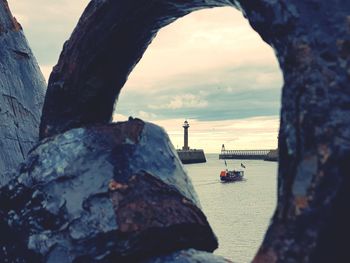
x=272 y=156
x=266 y=155
x=188 y=155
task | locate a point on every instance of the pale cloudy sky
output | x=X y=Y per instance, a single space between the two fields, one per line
x=209 y=67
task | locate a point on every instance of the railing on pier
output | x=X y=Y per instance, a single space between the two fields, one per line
x=244 y=154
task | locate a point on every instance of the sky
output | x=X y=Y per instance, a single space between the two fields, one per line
x=209 y=67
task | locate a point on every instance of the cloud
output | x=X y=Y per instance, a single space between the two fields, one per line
x=238 y=98
x=248 y=133
x=47 y=25
x=205 y=41
x=146 y=115
x=185 y=101
x=209 y=67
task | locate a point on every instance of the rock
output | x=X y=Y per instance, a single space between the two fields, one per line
x=312 y=44
x=188 y=256
x=21 y=94
x=311 y=40
x=104 y=193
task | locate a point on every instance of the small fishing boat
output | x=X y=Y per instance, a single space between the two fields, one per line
x=231 y=176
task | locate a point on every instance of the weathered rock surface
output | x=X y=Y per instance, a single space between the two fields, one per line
x=102 y=193
x=21 y=94
x=188 y=256
x=312 y=43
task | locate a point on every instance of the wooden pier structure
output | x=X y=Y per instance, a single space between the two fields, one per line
x=268 y=155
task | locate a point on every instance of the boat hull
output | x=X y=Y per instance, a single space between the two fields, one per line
x=231 y=176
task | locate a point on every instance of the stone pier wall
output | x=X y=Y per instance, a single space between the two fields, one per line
x=191 y=156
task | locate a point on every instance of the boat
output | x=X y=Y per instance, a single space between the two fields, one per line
x=231 y=176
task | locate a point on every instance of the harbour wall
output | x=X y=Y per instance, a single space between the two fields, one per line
x=266 y=155
x=191 y=156
x=272 y=156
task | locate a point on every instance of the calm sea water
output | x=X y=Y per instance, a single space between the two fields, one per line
x=238 y=212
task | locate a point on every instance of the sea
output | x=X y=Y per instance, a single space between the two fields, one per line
x=238 y=212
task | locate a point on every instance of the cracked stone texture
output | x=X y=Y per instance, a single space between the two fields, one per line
x=106 y=193
x=21 y=94
x=311 y=40
x=188 y=256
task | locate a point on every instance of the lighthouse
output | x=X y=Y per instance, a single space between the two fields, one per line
x=185 y=126
x=188 y=155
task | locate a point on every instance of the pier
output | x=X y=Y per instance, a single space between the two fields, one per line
x=267 y=155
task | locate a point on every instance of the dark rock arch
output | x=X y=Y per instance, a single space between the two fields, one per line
x=312 y=44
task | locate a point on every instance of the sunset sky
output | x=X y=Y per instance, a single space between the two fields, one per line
x=209 y=67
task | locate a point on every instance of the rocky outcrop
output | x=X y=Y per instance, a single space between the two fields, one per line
x=103 y=194
x=311 y=40
x=312 y=43
x=188 y=256
x=21 y=94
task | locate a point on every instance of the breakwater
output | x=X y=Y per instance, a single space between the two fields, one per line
x=191 y=156
x=267 y=155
